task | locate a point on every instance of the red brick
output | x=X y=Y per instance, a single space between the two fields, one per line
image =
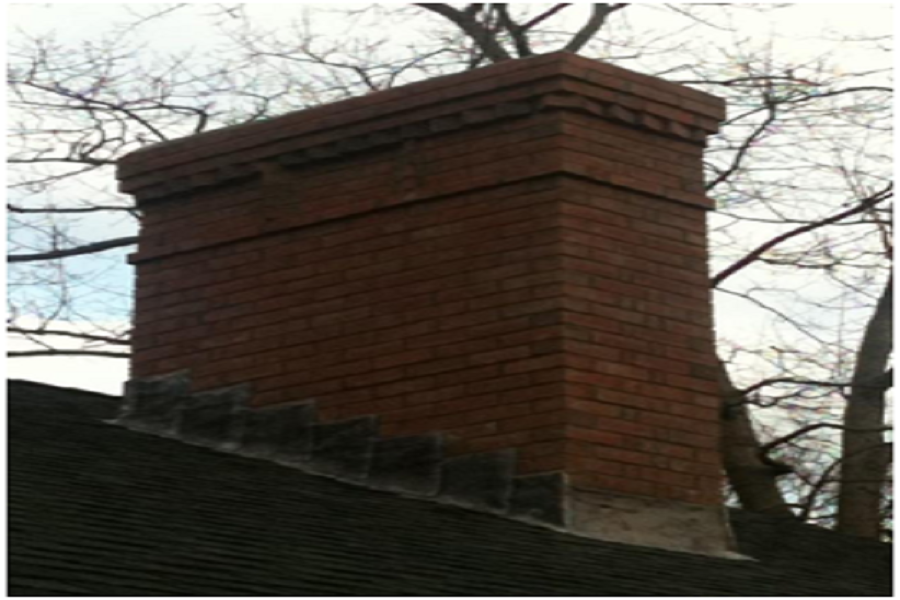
x=506 y=382
x=502 y=355
x=439 y=394
x=531 y=421
x=599 y=437
x=433 y=285
x=593 y=466
x=402 y=358
x=604 y=482
x=540 y=464
x=375 y=377
x=467 y=375
x=470 y=348
x=497 y=442
x=672 y=422
x=407 y=386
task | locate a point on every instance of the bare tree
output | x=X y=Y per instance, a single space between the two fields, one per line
x=800 y=171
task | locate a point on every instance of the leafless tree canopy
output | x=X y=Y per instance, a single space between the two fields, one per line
x=801 y=173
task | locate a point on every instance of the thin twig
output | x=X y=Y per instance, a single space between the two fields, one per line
x=86 y=249
x=87 y=209
x=769 y=446
x=24 y=353
x=73 y=334
x=751 y=256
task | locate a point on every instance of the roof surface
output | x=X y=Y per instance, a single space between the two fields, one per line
x=95 y=509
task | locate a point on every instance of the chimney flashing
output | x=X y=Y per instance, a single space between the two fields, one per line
x=416 y=466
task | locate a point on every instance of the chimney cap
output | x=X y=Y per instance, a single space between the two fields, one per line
x=218 y=150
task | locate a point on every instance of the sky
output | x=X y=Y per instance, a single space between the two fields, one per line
x=98 y=374
x=76 y=22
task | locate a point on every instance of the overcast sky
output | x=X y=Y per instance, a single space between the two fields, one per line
x=78 y=21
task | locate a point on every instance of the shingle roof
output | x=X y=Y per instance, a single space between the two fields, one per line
x=95 y=509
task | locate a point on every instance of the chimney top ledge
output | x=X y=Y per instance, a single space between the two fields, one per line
x=503 y=90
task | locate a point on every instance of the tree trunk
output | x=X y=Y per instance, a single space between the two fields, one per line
x=866 y=456
x=753 y=480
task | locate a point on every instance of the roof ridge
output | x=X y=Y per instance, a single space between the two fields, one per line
x=41 y=384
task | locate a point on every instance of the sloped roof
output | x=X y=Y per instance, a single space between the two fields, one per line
x=95 y=509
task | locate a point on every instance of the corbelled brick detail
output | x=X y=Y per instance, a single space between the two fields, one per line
x=512 y=259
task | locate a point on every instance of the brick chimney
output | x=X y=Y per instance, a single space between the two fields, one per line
x=488 y=289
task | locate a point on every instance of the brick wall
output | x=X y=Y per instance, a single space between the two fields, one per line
x=514 y=257
x=642 y=404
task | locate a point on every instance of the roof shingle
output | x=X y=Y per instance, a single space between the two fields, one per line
x=95 y=509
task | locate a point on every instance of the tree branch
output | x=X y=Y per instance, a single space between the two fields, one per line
x=517 y=33
x=754 y=480
x=745 y=146
x=470 y=26
x=86 y=249
x=769 y=446
x=590 y=29
x=750 y=257
x=544 y=16
x=864 y=472
x=72 y=334
x=24 y=353
x=80 y=160
x=26 y=211
x=882 y=382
